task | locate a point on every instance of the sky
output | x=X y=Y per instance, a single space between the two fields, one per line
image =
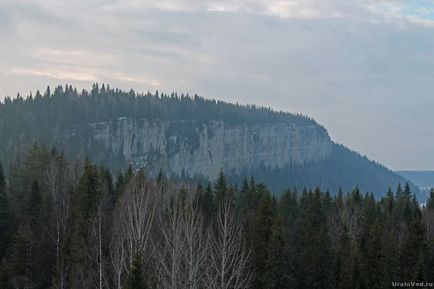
x=363 y=69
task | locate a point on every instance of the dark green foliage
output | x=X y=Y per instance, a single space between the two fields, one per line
x=261 y=236
x=344 y=169
x=279 y=267
x=4 y=214
x=430 y=201
x=347 y=273
x=313 y=260
x=312 y=240
x=208 y=204
x=34 y=203
x=20 y=259
x=135 y=279
x=220 y=188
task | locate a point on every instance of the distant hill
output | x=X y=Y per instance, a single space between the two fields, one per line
x=344 y=169
x=187 y=137
x=419 y=178
x=423 y=179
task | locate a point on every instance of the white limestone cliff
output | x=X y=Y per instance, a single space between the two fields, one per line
x=190 y=148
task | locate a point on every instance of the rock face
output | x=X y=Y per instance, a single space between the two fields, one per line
x=187 y=148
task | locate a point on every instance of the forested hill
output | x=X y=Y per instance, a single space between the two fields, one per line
x=186 y=137
x=65 y=107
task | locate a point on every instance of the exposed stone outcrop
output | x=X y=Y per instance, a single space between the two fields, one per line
x=191 y=148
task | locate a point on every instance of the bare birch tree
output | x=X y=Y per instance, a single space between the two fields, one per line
x=196 y=245
x=60 y=179
x=118 y=251
x=182 y=246
x=133 y=222
x=229 y=257
x=168 y=246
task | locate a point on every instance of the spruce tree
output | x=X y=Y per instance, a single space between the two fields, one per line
x=430 y=201
x=347 y=263
x=220 y=188
x=414 y=245
x=34 y=202
x=20 y=256
x=135 y=279
x=261 y=235
x=373 y=260
x=390 y=202
x=4 y=214
x=85 y=201
x=278 y=267
x=243 y=198
x=208 y=204
x=313 y=246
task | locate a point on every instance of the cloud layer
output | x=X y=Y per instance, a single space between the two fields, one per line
x=362 y=68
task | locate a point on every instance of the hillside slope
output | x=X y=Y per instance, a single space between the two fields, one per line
x=186 y=137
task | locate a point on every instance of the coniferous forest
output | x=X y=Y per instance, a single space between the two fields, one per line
x=72 y=224
x=56 y=117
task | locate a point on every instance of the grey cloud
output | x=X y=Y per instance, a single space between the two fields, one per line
x=368 y=81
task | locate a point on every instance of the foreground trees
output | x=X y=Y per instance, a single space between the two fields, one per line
x=68 y=225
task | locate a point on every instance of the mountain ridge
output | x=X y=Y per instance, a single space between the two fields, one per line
x=187 y=136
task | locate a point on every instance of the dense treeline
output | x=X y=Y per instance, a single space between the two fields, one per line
x=45 y=116
x=70 y=225
x=67 y=106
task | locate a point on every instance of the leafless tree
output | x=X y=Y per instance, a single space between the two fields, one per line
x=347 y=216
x=182 y=244
x=118 y=251
x=132 y=225
x=168 y=245
x=229 y=257
x=100 y=229
x=196 y=245
x=60 y=178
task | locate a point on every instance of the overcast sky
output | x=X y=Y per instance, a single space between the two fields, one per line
x=362 y=68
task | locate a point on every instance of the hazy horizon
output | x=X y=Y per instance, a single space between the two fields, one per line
x=363 y=69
